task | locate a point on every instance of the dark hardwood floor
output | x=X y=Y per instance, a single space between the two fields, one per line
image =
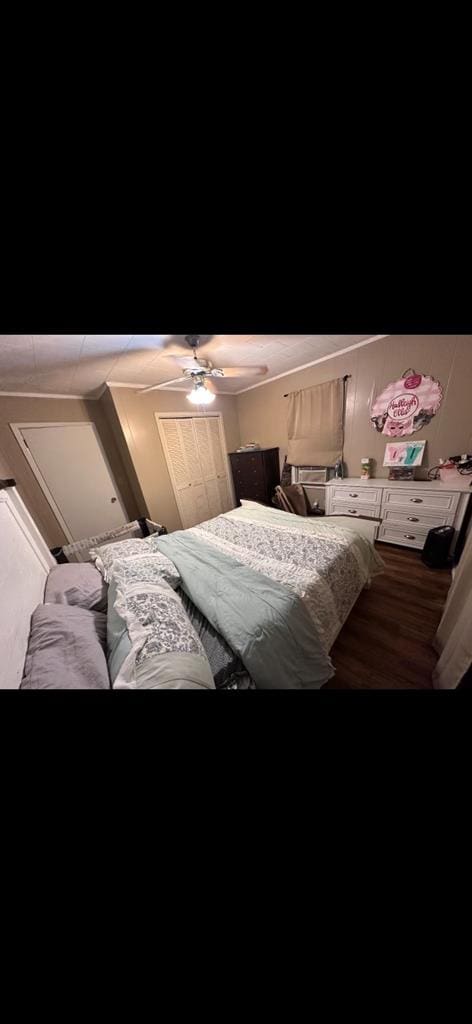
x=386 y=642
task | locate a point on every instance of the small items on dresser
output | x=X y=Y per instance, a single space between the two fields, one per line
x=251 y=446
x=400 y=474
x=452 y=469
x=448 y=472
x=366 y=469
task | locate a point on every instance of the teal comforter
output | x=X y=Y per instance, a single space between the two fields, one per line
x=264 y=622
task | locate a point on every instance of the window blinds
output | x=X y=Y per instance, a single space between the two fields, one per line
x=315 y=424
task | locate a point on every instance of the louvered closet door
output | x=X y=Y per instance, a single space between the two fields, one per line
x=202 y=434
x=181 y=451
x=195 y=456
x=210 y=451
x=218 y=454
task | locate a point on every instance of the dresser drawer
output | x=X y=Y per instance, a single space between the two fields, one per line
x=341 y=508
x=350 y=493
x=396 y=534
x=238 y=460
x=252 y=491
x=414 y=516
x=427 y=501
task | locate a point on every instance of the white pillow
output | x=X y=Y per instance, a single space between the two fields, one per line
x=152 y=567
x=163 y=649
x=105 y=556
x=251 y=504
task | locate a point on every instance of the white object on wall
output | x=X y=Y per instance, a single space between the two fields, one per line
x=406 y=405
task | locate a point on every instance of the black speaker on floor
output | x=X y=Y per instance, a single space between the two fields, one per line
x=435 y=553
x=59 y=555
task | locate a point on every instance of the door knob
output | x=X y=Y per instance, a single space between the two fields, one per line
x=113 y=501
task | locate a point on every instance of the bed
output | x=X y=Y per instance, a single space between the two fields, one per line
x=258 y=596
x=277 y=587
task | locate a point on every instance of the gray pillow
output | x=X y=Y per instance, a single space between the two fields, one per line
x=79 y=584
x=66 y=650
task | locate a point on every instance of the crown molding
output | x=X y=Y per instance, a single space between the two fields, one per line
x=140 y=387
x=36 y=394
x=120 y=384
x=305 y=366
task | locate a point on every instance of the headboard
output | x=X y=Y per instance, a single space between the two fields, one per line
x=25 y=561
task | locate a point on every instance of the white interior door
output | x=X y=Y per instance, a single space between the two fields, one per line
x=194 y=451
x=71 y=467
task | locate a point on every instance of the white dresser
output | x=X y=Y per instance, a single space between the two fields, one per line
x=407 y=509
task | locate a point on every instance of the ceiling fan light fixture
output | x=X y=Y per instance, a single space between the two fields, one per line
x=200 y=395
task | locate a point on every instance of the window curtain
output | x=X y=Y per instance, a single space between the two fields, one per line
x=453 y=639
x=315 y=424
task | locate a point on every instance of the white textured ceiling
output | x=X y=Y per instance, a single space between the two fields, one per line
x=77 y=364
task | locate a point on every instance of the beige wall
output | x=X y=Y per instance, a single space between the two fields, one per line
x=14 y=464
x=136 y=414
x=4 y=470
x=137 y=501
x=263 y=411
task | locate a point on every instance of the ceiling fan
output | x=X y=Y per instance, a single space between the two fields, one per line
x=200 y=371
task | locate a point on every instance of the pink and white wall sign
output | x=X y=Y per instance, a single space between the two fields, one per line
x=406 y=405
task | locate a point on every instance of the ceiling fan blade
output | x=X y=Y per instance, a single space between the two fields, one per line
x=162 y=384
x=186 y=362
x=175 y=352
x=243 y=371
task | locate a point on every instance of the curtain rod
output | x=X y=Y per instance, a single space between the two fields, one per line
x=345 y=378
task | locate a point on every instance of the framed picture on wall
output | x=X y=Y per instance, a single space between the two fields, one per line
x=404 y=453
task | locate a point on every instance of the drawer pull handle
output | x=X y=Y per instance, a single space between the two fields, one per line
x=409 y=536
x=413 y=519
x=353 y=511
x=353 y=495
x=417 y=501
